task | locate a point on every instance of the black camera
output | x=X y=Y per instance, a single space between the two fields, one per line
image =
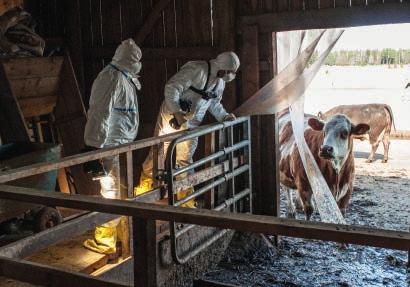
x=185 y=106
x=94 y=168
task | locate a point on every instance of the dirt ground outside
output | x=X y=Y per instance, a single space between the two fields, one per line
x=381 y=199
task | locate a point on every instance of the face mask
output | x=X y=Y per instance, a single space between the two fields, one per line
x=229 y=77
x=136 y=67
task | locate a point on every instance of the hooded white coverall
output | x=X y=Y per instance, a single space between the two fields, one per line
x=113 y=119
x=193 y=74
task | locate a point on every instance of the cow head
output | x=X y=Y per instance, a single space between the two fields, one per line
x=337 y=142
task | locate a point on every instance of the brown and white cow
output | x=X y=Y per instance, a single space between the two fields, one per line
x=378 y=116
x=331 y=144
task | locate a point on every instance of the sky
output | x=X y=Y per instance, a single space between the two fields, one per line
x=394 y=36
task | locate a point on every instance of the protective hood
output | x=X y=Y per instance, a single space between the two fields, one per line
x=227 y=61
x=128 y=58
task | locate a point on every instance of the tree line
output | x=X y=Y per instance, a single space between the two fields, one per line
x=389 y=57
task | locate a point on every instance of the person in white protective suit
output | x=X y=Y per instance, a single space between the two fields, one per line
x=198 y=85
x=113 y=119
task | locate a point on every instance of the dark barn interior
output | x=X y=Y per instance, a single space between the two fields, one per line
x=44 y=100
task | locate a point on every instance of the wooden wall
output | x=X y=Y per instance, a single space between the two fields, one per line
x=102 y=24
x=186 y=29
x=183 y=24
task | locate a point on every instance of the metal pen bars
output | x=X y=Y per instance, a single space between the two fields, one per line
x=241 y=148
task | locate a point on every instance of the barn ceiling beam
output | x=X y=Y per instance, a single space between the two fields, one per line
x=106 y=52
x=375 y=14
x=150 y=21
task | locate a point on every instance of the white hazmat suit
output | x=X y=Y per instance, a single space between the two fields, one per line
x=179 y=87
x=113 y=119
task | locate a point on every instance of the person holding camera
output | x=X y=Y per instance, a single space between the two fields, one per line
x=195 y=89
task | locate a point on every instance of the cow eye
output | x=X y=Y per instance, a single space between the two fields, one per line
x=344 y=134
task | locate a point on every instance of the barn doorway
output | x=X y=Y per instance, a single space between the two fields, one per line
x=369 y=64
x=380 y=198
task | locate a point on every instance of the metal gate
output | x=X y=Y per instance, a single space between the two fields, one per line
x=237 y=150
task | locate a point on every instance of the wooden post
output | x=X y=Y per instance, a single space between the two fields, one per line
x=155 y=160
x=124 y=226
x=269 y=148
x=130 y=174
x=269 y=200
x=145 y=252
x=250 y=85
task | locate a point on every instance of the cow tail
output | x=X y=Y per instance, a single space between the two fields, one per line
x=388 y=108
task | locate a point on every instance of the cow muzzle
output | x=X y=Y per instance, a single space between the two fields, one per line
x=326 y=152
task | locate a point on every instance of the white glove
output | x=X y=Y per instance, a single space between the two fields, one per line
x=229 y=117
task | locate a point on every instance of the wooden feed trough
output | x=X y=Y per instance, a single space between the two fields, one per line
x=34 y=82
x=32 y=87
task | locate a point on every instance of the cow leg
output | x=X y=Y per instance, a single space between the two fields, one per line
x=344 y=201
x=306 y=197
x=298 y=202
x=386 y=145
x=375 y=145
x=291 y=205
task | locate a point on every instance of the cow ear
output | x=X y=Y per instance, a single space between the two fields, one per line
x=320 y=115
x=360 y=129
x=316 y=124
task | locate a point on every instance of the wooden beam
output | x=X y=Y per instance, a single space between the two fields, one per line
x=242 y=222
x=145 y=252
x=77 y=159
x=269 y=196
x=26 y=68
x=42 y=275
x=376 y=14
x=41 y=240
x=269 y=148
x=75 y=227
x=130 y=174
x=250 y=78
x=150 y=21
x=82 y=158
x=200 y=52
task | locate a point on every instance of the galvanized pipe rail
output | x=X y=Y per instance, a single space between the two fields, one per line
x=172 y=172
x=39 y=168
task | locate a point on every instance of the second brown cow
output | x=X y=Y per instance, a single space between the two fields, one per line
x=378 y=116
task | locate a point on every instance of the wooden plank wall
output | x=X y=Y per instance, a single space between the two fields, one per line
x=49 y=15
x=184 y=23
